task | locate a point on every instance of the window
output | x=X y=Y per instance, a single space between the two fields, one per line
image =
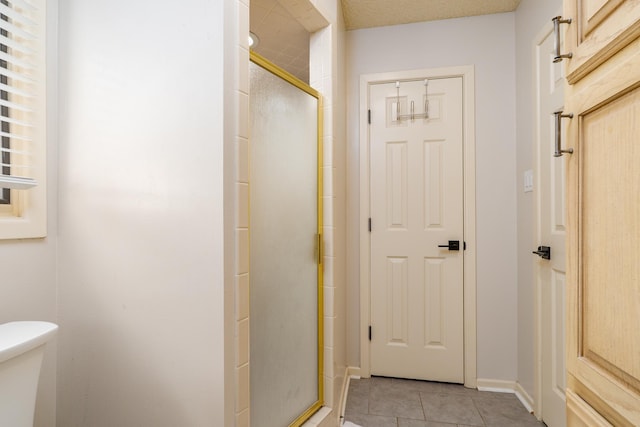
x=22 y=119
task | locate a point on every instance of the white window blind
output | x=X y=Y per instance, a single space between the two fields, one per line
x=21 y=75
x=23 y=116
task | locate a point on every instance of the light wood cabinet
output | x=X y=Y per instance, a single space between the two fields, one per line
x=599 y=29
x=603 y=197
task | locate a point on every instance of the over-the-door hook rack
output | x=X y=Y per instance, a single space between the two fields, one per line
x=412 y=115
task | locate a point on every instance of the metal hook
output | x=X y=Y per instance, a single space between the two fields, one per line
x=412 y=115
x=426 y=98
x=398 y=101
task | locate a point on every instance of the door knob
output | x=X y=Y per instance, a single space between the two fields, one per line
x=454 y=245
x=543 y=252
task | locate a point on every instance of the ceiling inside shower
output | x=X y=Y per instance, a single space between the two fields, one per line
x=283 y=40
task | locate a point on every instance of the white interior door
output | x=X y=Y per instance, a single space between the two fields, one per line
x=551 y=230
x=416 y=196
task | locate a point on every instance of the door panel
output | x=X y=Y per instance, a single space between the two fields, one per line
x=396 y=186
x=610 y=225
x=551 y=229
x=594 y=13
x=416 y=205
x=600 y=29
x=604 y=234
x=580 y=414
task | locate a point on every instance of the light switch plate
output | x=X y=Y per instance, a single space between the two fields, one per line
x=528 y=181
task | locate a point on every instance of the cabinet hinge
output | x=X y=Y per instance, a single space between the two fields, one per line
x=369 y=116
x=369 y=225
x=369 y=332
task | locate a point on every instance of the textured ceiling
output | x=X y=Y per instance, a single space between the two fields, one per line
x=284 y=39
x=377 y=13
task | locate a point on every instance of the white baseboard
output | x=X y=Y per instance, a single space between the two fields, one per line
x=345 y=391
x=496 y=386
x=353 y=371
x=524 y=397
x=502 y=386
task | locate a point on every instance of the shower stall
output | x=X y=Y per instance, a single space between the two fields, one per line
x=285 y=272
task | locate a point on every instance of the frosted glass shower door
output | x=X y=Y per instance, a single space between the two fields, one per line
x=284 y=249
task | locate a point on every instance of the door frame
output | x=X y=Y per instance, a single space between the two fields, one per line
x=469 y=199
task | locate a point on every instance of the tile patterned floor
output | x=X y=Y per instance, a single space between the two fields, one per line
x=391 y=402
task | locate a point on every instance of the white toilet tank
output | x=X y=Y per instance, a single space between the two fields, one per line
x=21 y=351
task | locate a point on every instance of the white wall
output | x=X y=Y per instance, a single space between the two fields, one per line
x=142 y=304
x=327 y=75
x=531 y=16
x=488 y=43
x=339 y=181
x=28 y=284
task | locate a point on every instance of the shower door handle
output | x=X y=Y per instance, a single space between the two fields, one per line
x=319 y=248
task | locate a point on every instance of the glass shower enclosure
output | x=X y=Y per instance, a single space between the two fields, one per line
x=285 y=272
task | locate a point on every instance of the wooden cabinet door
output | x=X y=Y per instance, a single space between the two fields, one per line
x=603 y=277
x=599 y=29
